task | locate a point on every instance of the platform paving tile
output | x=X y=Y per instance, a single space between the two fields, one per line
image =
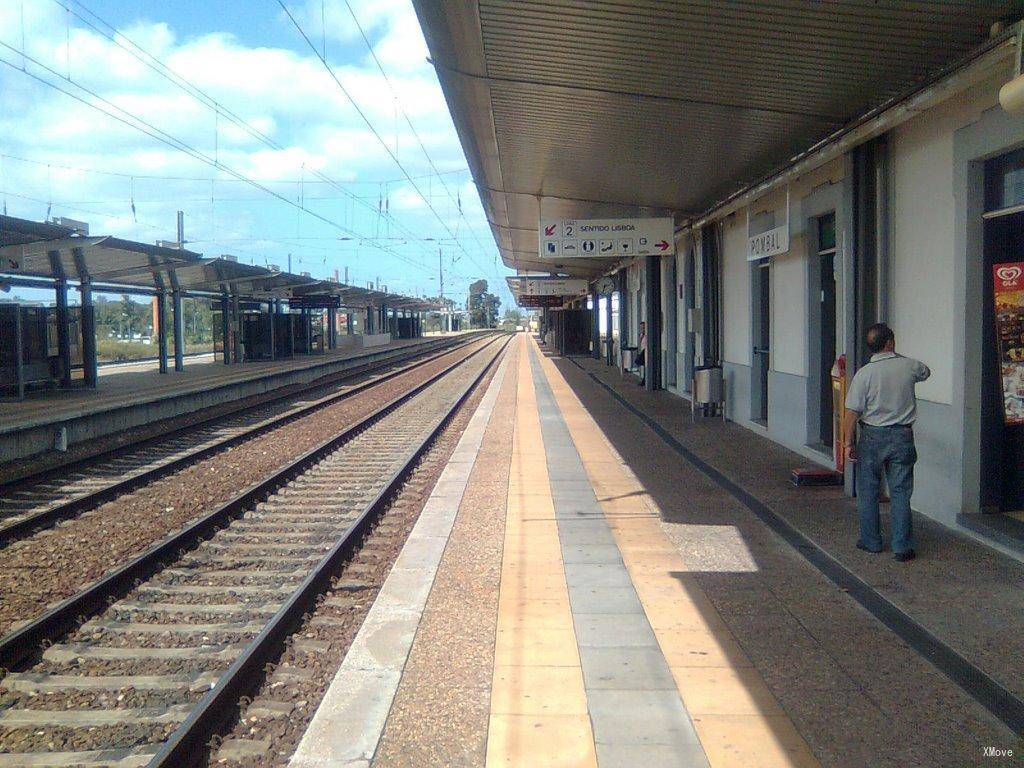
x=591 y=553
x=626 y=667
x=600 y=630
x=651 y=756
x=640 y=716
x=592 y=575
x=611 y=600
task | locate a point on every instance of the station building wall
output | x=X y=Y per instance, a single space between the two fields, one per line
x=791 y=304
x=933 y=297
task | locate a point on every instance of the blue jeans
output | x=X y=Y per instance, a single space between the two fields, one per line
x=889 y=450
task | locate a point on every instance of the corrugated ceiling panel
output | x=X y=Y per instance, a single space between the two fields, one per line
x=672 y=104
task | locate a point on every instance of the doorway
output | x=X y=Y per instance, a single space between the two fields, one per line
x=827 y=329
x=1002 y=450
x=761 y=334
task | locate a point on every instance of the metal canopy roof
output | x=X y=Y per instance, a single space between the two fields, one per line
x=104 y=260
x=26 y=248
x=14 y=231
x=602 y=108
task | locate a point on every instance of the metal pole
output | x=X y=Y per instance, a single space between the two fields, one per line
x=89 y=361
x=595 y=325
x=88 y=322
x=653 y=353
x=19 y=351
x=271 y=307
x=236 y=327
x=609 y=352
x=225 y=328
x=63 y=333
x=178 y=323
x=161 y=330
x=623 y=276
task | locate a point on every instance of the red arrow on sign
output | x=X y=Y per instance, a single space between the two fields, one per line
x=662 y=245
x=549 y=230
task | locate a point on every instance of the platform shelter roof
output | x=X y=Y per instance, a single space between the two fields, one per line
x=573 y=110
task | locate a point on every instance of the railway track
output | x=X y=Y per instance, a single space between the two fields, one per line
x=178 y=636
x=33 y=504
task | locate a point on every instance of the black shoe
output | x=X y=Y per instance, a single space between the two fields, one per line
x=902 y=557
x=862 y=545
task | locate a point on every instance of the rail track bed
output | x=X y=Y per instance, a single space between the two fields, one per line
x=48 y=566
x=174 y=639
x=32 y=504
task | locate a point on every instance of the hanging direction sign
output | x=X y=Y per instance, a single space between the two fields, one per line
x=557 y=287
x=607 y=238
x=539 y=302
x=315 y=301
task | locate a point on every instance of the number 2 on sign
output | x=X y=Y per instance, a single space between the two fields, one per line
x=569 y=229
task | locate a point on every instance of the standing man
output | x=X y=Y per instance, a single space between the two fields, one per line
x=882 y=400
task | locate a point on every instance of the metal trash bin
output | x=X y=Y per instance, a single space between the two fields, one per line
x=708 y=392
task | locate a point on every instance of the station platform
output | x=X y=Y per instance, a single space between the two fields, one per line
x=575 y=593
x=134 y=398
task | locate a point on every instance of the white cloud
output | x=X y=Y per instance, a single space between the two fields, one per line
x=286 y=94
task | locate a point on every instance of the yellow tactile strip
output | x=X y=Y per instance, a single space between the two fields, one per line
x=737 y=719
x=538 y=704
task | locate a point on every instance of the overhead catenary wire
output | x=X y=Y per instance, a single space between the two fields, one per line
x=159 y=177
x=134 y=121
x=373 y=129
x=398 y=103
x=140 y=54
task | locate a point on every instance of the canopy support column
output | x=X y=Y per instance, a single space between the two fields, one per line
x=63 y=332
x=178 y=323
x=609 y=353
x=225 y=327
x=652 y=369
x=159 y=320
x=90 y=364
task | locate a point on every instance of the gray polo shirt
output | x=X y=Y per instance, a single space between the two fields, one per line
x=882 y=391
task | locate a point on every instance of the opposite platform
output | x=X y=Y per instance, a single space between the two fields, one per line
x=134 y=399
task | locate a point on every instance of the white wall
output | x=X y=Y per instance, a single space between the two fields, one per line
x=923 y=235
x=735 y=292
x=788 y=284
x=789 y=310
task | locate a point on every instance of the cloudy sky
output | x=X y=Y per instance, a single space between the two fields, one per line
x=198 y=99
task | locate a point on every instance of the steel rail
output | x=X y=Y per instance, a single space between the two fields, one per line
x=77 y=505
x=19 y=645
x=188 y=742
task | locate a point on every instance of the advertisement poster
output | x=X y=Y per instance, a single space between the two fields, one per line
x=1008 y=284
